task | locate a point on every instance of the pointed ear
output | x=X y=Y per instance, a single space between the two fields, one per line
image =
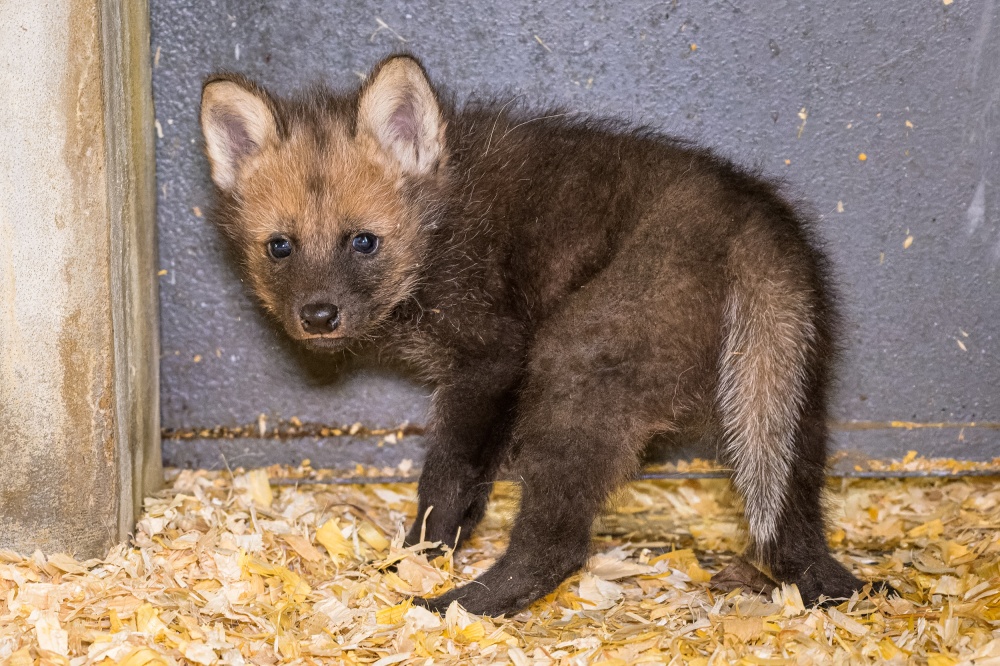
x=237 y=121
x=399 y=109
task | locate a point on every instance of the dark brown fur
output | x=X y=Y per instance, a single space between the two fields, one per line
x=571 y=288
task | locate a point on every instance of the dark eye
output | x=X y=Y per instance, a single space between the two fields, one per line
x=279 y=247
x=365 y=243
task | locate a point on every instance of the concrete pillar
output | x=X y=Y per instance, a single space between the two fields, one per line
x=79 y=422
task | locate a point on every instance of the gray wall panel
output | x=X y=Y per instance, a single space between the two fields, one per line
x=914 y=86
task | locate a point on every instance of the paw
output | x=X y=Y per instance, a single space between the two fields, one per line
x=430 y=553
x=476 y=599
x=438 y=604
x=826 y=583
x=434 y=552
x=504 y=589
x=433 y=549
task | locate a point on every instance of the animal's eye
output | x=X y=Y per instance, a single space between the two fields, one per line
x=279 y=247
x=365 y=243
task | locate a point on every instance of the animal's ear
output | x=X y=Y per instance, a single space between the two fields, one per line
x=238 y=122
x=398 y=107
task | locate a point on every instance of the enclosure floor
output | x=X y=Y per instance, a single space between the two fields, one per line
x=229 y=568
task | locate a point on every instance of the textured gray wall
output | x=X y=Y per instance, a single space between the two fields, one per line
x=801 y=89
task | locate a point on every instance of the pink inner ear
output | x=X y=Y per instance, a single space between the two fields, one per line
x=403 y=122
x=238 y=140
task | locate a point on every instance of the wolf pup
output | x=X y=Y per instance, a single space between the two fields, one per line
x=570 y=287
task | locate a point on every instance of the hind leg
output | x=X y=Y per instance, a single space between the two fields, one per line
x=796 y=550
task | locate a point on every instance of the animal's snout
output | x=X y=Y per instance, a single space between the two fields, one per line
x=319 y=318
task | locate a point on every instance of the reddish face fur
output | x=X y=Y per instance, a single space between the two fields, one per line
x=318 y=178
x=570 y=287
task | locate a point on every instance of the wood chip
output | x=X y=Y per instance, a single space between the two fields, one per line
x=742 y=575
x=215 y=575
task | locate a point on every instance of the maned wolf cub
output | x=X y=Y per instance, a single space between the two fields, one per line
x=571 y=287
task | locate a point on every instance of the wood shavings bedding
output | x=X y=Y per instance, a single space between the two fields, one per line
x=231 y=569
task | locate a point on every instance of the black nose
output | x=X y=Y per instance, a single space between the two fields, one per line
x=319 y=318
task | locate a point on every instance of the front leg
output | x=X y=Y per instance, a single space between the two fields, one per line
x=467 y=441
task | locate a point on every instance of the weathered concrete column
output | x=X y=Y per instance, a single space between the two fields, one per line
x=79 y=422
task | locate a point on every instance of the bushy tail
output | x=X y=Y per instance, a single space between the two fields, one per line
x=763 y=370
